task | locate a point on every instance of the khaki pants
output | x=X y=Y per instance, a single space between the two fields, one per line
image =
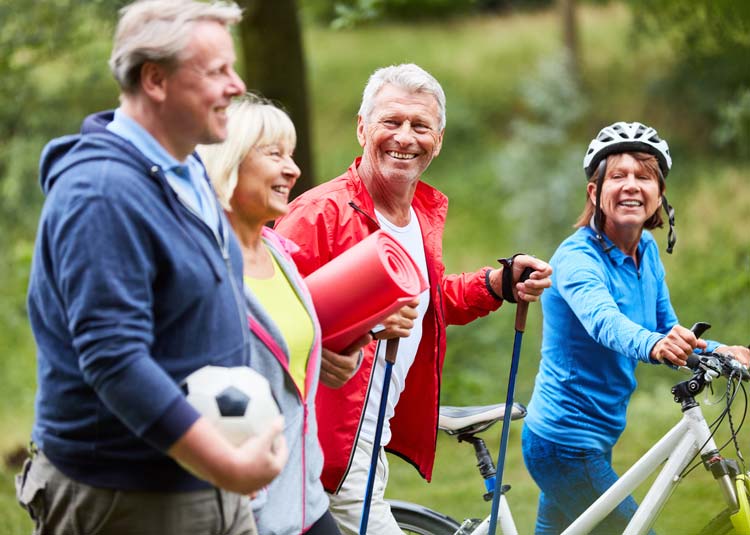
x=346 y=506
x=59 y=505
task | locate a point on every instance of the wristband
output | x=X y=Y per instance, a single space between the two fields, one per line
x=490 y=289
x=508 y=277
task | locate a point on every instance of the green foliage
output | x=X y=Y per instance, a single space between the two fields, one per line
x=355 y=12
x=711 y=72
x=41 y=93
x=351 y=13
x=538 y=166
x=733 y=130
x=509 y=94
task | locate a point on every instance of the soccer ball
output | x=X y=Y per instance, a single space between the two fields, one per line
x=238 y=401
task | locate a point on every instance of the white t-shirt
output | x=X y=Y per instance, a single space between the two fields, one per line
x=410 y=237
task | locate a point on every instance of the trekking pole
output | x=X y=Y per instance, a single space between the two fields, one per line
x=521 y=309
x=391 y=349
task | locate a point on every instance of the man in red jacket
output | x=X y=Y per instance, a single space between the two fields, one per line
x=400 y=127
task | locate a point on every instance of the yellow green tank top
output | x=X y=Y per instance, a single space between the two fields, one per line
x=278 y=297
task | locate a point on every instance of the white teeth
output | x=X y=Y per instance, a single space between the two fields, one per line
x=401 y=155
x=281 y=189
x=631 y=203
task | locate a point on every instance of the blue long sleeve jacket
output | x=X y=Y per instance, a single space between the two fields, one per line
x=129 y=292
x=602 y=316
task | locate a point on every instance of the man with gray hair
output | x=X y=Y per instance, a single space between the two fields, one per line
x=136 y=282
x=400 y=128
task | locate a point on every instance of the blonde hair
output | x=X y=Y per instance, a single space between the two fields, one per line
x=253 y=122
x=158 y=31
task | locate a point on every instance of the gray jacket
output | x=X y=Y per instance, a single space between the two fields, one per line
x=295 y=499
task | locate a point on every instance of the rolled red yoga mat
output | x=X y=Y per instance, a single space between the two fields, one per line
x=361 y=287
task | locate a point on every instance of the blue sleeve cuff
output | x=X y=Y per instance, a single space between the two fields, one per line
x=173 y=423
x=711 y=345
x=651 y=341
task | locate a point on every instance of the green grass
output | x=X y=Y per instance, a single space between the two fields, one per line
x=482 y=62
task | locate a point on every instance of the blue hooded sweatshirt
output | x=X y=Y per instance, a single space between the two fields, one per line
x=129 y=292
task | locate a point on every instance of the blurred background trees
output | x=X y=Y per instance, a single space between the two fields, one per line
x=528 y=83
x=274 y=65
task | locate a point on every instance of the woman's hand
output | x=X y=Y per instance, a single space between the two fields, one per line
x=677 y=346
x=337 y=368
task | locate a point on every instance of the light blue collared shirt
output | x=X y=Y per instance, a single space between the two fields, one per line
x=187 y=179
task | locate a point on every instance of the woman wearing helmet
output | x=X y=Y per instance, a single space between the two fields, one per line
x=608 y=309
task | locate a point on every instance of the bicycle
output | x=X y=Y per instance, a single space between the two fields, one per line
x=677 y=450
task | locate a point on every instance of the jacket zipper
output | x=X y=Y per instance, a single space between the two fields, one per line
x=223 y=244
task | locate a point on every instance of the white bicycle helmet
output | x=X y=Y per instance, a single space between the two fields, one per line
x=626 y=137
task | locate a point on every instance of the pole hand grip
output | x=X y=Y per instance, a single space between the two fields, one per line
x=391 y=350
x=522 y=307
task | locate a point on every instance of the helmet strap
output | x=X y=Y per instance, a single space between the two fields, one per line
x=672 y=236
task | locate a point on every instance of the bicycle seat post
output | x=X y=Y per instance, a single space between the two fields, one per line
x=484 y=463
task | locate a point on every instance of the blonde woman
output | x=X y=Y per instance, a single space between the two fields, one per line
x=253 y=172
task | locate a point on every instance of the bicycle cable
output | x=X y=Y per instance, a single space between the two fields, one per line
x=714 y=426
x=735 y=432
x=707 y=402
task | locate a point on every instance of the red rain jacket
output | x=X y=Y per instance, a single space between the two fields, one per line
x=326 y=221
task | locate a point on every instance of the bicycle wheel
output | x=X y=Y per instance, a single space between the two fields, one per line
x=720 y=525
x=418 y=520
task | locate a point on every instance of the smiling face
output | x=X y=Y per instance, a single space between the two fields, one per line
x=630 y=194
x=201 y=87
x=401 y=136
x=264 y=179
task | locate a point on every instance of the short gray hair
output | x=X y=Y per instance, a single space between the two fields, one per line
x=158 y=31
x=253 y=122
x=406 y=76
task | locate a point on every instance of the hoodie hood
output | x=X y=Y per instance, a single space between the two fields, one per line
x=93 y=142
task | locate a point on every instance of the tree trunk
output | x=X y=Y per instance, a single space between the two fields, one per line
x=570 y=34
x=274 y=65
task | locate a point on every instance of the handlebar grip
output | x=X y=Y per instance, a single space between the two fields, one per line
x=699 y=328
x=693 y=361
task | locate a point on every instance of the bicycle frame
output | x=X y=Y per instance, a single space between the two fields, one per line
x=674 y=452
x=677 y=447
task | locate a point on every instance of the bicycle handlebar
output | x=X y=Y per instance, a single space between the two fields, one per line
x=713 y=363
x=718 y=365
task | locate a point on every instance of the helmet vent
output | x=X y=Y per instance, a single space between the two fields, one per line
x=625 y=137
